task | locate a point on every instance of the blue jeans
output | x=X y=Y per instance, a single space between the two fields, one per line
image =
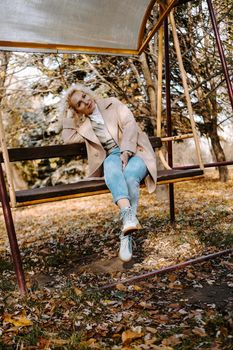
x=124 y=183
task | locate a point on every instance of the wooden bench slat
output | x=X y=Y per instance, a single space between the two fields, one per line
x=96 y=185
x=56 y=151
x=46 y=152
x=84 y=187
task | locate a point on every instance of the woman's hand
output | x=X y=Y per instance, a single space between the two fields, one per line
x=70 y=113
x=125 y=158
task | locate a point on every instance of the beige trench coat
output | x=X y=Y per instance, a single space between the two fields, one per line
x=123 y=128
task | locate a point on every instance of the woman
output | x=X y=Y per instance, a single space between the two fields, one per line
x=117 y=149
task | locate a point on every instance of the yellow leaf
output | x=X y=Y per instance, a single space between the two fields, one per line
x=121 y=287
x=12 y=329
x=128 y=336
x=162 y=347
x=136 y=288
x=17 y=321
x=90 y=343
x=59 y=341
x=78 y=291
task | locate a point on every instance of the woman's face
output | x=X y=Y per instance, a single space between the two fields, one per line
x=82 y=103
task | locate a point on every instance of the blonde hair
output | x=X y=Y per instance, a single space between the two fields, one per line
x=67 y=111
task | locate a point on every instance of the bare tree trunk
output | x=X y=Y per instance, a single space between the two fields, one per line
x=203 y=65
x=4 y=60
x=218 y=152
x=215 y=141
x=150 y=87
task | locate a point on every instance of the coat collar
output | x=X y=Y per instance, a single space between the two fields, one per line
x=105 y=107
x=87 y=132
x=108 y=112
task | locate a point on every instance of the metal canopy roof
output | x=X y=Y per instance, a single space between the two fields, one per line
x=102 y=26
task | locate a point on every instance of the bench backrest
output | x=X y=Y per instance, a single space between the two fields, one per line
x=56 y=151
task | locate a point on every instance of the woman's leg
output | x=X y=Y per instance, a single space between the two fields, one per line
x=122 y=191
x=115 y=179
x=134 y=173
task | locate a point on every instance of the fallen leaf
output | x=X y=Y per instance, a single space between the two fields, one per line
x=102 y=329
x=190 y=275
x=128 y=304
x=172 y=340
x=151 y=341
x=136 y=288
x=175 y=285
x=161 y=318
x=121 y=287
x=174 y=305
x=59 y=341
x=228 y=265
x=17 y=321
x=146 y=305
x=151 y=330
x=78 y=291
x=162 y=347
x=128 y=336
x=91 y=342
x=224 y=332
x=119 y=328
x=199 y=331
x=43 y=343
x=116 y=335
x=216 y=346
x=172 y=277
x=108 y=302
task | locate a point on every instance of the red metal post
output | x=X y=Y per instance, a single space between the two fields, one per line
x=169 y=122
x=11 y=234
x=220 y=50
x=169 y=268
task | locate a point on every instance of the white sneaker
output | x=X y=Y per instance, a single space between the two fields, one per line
x=126 y=251
x=130 y=221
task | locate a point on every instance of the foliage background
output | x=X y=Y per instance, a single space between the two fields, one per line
x=31 y=87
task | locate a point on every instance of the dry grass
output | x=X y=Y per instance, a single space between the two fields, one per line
x=69 y=249
x=202 y=206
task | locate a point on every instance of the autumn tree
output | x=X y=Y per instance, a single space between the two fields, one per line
x=204 y=69
x=33 y=97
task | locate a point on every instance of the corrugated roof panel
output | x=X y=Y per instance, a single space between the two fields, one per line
x=59 y=24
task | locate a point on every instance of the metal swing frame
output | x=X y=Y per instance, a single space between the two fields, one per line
x=163 y=20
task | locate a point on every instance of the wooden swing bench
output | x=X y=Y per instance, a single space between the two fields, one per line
x=83 y=187
x=136 y=45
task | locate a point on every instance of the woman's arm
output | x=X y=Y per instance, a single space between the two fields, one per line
x=70 y=132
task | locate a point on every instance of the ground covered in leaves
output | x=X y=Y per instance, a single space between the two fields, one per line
x=69 y=251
